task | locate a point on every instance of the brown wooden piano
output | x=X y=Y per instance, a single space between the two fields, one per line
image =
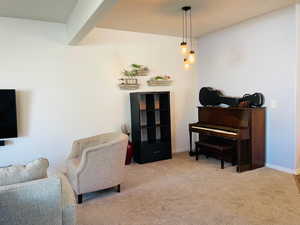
x=244 y=126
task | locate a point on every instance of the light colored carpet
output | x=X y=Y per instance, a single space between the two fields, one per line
x=182 y=191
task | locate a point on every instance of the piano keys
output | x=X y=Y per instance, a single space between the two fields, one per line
x=221 y=131
x=244 y=126
x=217 y=131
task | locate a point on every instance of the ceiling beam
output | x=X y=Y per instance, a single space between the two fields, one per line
x=84 y=18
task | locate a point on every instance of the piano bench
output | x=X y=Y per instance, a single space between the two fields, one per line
x=221 y=148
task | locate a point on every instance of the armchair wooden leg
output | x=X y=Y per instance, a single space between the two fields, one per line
x=119 y=188
x=79 y=199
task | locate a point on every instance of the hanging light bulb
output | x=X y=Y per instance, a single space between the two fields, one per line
x=186 y=63
x=191 y=57
x=184 y=48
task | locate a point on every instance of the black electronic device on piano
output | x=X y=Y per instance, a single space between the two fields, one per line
x=210 y=97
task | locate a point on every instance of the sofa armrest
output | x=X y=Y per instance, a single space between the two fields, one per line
x=68 y=201
x=31 y=203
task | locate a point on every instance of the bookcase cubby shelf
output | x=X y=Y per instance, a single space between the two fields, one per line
x=151 y=126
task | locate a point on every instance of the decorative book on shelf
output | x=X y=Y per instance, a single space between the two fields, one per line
x=151 y=126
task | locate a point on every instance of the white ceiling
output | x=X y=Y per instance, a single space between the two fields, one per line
x=149 y=16
x=164 y=16
x=46 y=10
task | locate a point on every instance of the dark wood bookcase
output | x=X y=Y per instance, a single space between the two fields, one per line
x=151 y=126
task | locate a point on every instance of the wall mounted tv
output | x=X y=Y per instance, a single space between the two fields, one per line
x=8 y=114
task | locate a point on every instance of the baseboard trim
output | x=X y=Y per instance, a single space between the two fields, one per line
x=178 y=150
x=282 y=169
x=272 y=166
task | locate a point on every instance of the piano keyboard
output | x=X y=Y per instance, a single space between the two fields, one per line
x=215 y=130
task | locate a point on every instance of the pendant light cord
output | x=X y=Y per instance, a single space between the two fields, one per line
x=183 y=23
x=186 y=27
x=191 y=27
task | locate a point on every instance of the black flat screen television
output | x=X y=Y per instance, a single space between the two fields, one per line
x=8 y=114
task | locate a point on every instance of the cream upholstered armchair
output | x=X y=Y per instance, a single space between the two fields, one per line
x=97 y=163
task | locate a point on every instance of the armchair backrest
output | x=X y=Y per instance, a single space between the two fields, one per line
x=84 y=143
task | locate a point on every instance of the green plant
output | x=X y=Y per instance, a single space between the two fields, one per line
x=129 y=73
x=135 y=71
x=166 y=77
x=158 y=78
x=136 y=66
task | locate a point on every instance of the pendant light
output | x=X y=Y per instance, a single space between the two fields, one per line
x=191 y=57
x=187 y=31
x=186 y=63
x=184 y=48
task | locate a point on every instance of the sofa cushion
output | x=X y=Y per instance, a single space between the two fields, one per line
x=34 y=170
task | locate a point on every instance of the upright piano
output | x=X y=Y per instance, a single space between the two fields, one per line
x=243 y=126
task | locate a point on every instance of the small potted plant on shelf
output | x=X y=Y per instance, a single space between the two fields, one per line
x=160 y=81
x=140 y=70
x=130 y=82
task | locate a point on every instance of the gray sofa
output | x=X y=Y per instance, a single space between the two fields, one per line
x=48 y=201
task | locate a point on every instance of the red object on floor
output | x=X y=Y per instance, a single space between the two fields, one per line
x=129 y=154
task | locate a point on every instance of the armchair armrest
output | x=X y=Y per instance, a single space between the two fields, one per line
x=72 y=172
x=76 y=150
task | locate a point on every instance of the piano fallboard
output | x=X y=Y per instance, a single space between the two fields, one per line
x=228 y=117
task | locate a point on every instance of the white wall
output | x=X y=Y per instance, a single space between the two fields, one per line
x=297 y=83
x=69 y=92
x=259 y=56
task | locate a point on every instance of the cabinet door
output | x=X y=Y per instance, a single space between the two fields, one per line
x=156 y=151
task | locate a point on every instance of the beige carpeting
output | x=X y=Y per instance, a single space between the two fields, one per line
x=182 y=191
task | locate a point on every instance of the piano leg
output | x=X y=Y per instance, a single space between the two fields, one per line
x=243 y=156
x=233 y=159
x=222 y=163
x=238 y=149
